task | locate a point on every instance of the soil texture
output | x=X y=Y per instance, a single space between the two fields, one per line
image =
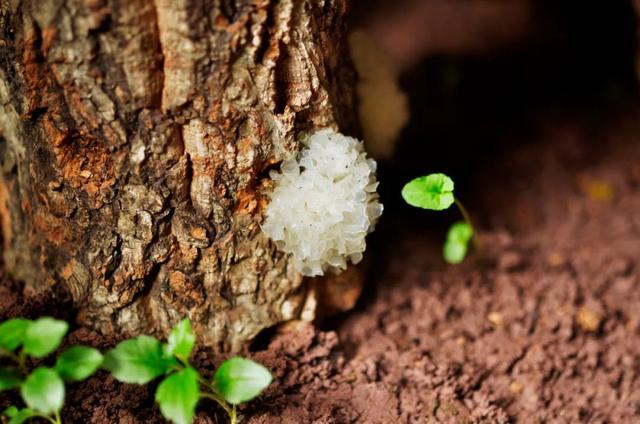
x=543 y=326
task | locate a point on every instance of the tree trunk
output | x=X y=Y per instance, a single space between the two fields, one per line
x=136 y=138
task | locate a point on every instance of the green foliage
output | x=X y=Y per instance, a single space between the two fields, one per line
x=12 y=333
x=138 y=360
x=43 y=391
x=78 y=363
x=239 y=380
x=178 y=395
x=43 y=336
x=144 y=358
x=18 y=416
x=433 y=192
x=181 y=340
x=11 y=411
x=456 y=246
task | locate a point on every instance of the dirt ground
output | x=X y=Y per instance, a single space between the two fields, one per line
x=545 y=329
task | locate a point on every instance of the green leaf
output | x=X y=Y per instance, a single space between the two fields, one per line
x=454 y=253
x=433 y=192
x=460 y=231
x=456 y=246
x=239 y=380
x=43 y=336
x=11 y=411
x=10 y=378
x=138 y=360
x=178 y=396
x=43 y=391
x=12 y=333
x=181 y=340
x=19 y=416
x=78 y=363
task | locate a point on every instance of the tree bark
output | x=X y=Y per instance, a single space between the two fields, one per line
x=136 y=138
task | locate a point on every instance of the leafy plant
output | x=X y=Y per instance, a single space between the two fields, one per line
x=144 y=358
x=435 y=192
x=43 y=389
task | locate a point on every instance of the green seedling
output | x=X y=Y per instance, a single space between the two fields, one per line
x=144 y=359
x=43 y=389
x=435 y=192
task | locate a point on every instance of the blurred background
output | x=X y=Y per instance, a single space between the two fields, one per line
x=476 y=78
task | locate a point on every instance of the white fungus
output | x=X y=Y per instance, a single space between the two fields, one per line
x=324 y=203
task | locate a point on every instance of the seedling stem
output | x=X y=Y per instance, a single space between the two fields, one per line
x=210 y=393
x=467 y=218
x=21 y=361
x=233 y=416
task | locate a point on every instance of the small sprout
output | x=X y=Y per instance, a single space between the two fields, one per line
x=42 y=390
x=144 y=358
x=458 y=236
x=139 y=360
x=435 y=192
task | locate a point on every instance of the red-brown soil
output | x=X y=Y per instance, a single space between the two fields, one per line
x=547 y=329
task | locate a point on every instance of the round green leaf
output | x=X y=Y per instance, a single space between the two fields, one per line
x=11 y=411
x=43 y=391
x=434 y=191
x=12 y=333
x=456 y=246
x=10 y=378
x=78 y=363
x=43 y=336
x=239 y=380
x=178 y=396
x=460 y=231
x=138 y=360
x=181 y=340
x=454 y=253
x=19 y=416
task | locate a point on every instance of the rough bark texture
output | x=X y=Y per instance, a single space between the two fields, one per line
x=136 y=138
